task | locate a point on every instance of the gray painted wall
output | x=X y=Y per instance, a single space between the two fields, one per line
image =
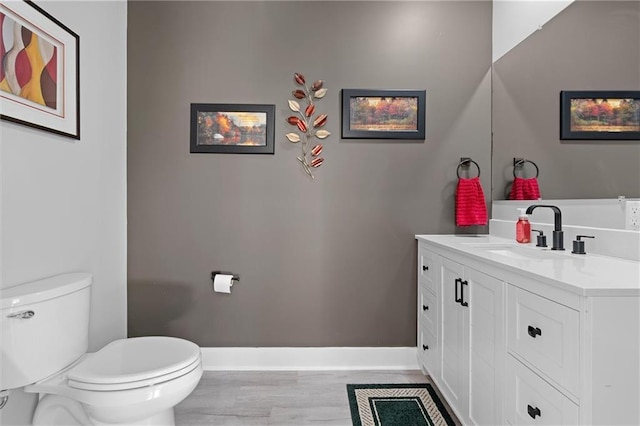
x=329 y=262
x=591 y=45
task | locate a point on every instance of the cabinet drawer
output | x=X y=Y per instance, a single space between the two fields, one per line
x=532 y=401
x=427 y=309
x=426 y=269
x=427 y=350
x=544 y=333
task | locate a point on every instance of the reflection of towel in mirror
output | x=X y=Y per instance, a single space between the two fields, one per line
x=471 y=208
x=525 y=189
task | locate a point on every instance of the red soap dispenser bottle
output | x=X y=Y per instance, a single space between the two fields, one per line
x=523 y=228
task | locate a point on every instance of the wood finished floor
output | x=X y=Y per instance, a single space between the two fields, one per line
x=300 y=398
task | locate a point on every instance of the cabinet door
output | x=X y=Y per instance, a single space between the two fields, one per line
x=486 y=347
x=453 y=316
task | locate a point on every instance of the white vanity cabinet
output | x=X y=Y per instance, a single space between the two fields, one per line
x=516 y=346
x=572 y=361
x=470 y=344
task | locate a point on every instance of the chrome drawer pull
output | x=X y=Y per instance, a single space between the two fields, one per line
x=533 y=412
x=533 y=332
x=22 y=315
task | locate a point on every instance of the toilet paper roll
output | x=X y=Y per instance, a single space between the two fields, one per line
x=222 y=283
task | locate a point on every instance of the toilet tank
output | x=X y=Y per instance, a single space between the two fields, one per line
x=45 y=327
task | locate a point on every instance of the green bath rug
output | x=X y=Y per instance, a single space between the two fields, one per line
x=413 y=404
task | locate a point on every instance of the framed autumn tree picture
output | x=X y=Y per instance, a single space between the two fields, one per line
x=232 y=128
x=608 y=115
x=383 y=114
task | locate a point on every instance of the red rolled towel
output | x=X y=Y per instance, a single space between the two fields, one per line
x=525 y=189
x=517 y=189
x=531 y=189
x=471 y=208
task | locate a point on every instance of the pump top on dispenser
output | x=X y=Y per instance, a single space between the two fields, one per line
x=523 y=227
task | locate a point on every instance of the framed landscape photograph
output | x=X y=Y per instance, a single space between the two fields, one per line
x=40 y=71
x=383 y=114
x=232 y=128
x=608 y=115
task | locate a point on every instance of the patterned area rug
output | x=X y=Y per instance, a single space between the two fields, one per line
x=414 y=404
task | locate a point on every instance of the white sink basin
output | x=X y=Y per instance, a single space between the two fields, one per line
x=517 y=251
x=491 y=246
x=521 y=253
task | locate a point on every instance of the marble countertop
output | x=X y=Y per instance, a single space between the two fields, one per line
x=586 y=275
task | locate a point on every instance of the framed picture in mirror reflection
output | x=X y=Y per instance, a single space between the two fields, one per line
x=600 y=115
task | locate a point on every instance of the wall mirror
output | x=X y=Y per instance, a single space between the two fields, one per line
x=563 y=52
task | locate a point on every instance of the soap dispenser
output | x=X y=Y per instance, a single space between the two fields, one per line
x=523 y=227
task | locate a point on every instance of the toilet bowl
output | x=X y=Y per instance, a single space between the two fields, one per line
x=135 y=381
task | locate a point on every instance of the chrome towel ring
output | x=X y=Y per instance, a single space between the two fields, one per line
x=465 y=162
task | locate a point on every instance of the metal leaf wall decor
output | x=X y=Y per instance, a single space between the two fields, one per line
x=307 y=122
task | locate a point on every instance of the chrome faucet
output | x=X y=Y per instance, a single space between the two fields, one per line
x=558 y=243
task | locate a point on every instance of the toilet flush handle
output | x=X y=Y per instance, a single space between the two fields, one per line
x=22 y=315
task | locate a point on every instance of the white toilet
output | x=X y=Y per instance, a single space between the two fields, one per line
x=133 y=381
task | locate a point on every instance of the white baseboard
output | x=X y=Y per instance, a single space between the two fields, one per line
x=352 y=358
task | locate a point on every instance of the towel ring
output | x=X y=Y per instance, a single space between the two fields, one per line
x=466 y=161
x=520 y=162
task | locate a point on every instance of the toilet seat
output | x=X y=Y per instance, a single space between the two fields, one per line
x=103 y=387
x=134 y=363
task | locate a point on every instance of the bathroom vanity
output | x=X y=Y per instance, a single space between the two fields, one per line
x=516 y=334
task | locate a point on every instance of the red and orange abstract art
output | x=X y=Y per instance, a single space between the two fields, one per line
x=29 y=64
x=39 y=70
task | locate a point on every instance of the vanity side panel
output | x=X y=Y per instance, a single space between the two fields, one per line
x=615 y=352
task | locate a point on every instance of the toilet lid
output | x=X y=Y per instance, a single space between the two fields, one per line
x=135 y=359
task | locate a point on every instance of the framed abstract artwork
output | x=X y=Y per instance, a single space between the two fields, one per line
x=40 y=70
x=383 y=114
x=604 y=115
x=232 y=128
